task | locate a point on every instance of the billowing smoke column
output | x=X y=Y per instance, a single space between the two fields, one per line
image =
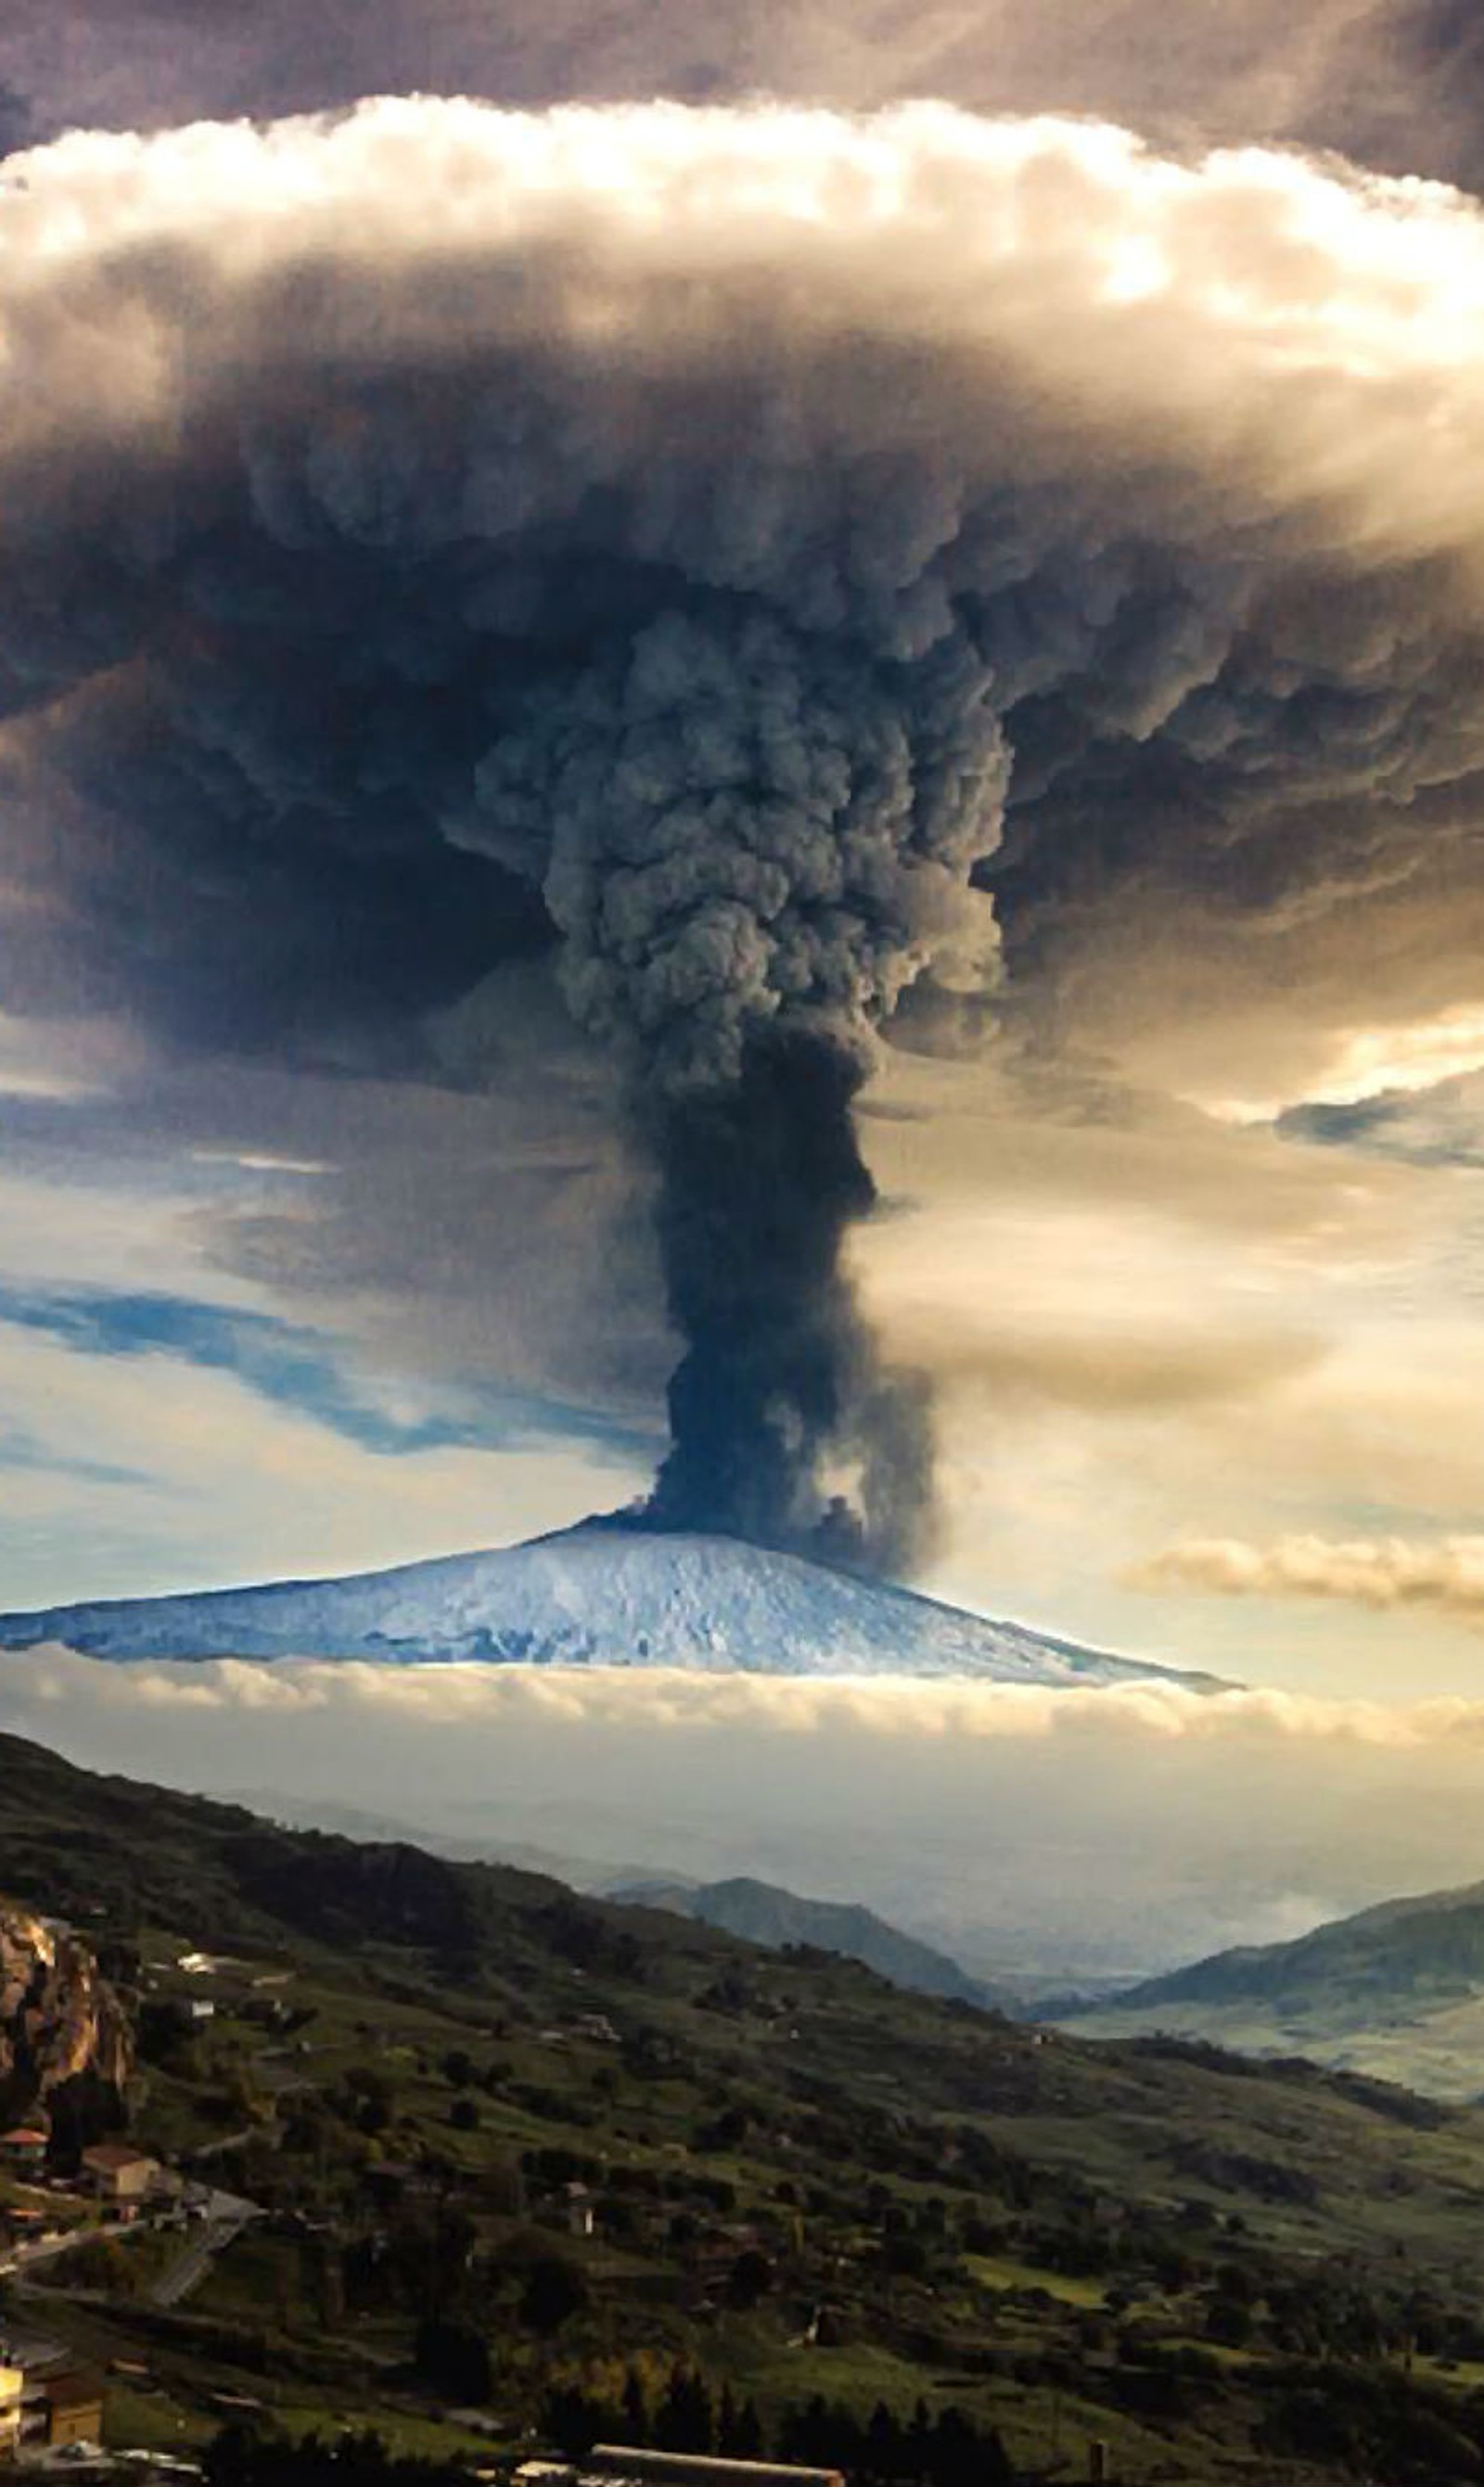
x=702 y=541
x=757 y=837
x=758 y=1185
x=781 y=1383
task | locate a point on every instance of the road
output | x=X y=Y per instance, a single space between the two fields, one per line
x=227 y=2215
x=21 y=2259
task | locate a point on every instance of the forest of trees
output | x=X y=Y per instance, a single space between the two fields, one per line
x=946 y=2450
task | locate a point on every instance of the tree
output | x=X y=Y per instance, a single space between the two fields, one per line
x=904 y=2257
x=1229 y=2321
x=740 y=2430
x=422 y=2262
x=555 y=2290
x=635 y=2407
x=749 y=2279
x=369 y=2099
x=104 y=2264
x=684 y=2423
x=726 y=2422
x=453 y=2359
x=956 y=2451
x=727 y=2131
x=809 y=2435
x=750 y=2443
x=574 y=2419
x=885 y=2448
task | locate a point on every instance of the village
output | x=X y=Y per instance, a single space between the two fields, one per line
x=57 y=2219
x=394 y=2183
x=137 y=2227
x=51 y=2404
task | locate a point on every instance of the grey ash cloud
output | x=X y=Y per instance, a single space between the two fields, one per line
x=787 y=1427
x=17 y=123
x=1437 y=1124
x=1394 y=83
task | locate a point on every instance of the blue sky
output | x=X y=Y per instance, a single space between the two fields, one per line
x=307 y=1374
x=159 y=1435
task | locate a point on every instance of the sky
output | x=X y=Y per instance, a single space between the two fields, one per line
x=1111 y=399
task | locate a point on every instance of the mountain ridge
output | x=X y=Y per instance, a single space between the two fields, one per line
x=778 y=1920
x=591 y=1596
x=1397 y=1988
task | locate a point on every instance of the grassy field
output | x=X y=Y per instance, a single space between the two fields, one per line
x=999 y=2271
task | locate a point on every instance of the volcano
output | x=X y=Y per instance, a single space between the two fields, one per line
x=597 y=1595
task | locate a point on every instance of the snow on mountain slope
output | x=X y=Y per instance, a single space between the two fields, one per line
x=593 y=1596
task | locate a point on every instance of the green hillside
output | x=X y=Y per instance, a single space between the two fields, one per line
x=533 y=2166
x=1397 y=1991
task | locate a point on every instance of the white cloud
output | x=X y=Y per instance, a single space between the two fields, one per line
x=1389 y=1573
x=1295 y=335
x=1371 y=1062
x=670 y=1699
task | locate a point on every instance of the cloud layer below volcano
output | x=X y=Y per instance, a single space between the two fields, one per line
x=1055 y=1834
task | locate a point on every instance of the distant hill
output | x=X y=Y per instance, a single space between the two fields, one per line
x=304 y=1812
x=600 y=1595
x=755 y=1912
x=1396 y=1990
x=761 y=1913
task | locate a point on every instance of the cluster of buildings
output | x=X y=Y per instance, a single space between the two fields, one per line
x=114 y=2181
x=23 y=2152
x=50 y=2402
x=114 y=2174
x=47 y=2400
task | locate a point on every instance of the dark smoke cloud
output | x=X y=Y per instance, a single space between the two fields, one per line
x=435 y=538
x=751 y=839
x=781 y=1383
x=17 y=125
